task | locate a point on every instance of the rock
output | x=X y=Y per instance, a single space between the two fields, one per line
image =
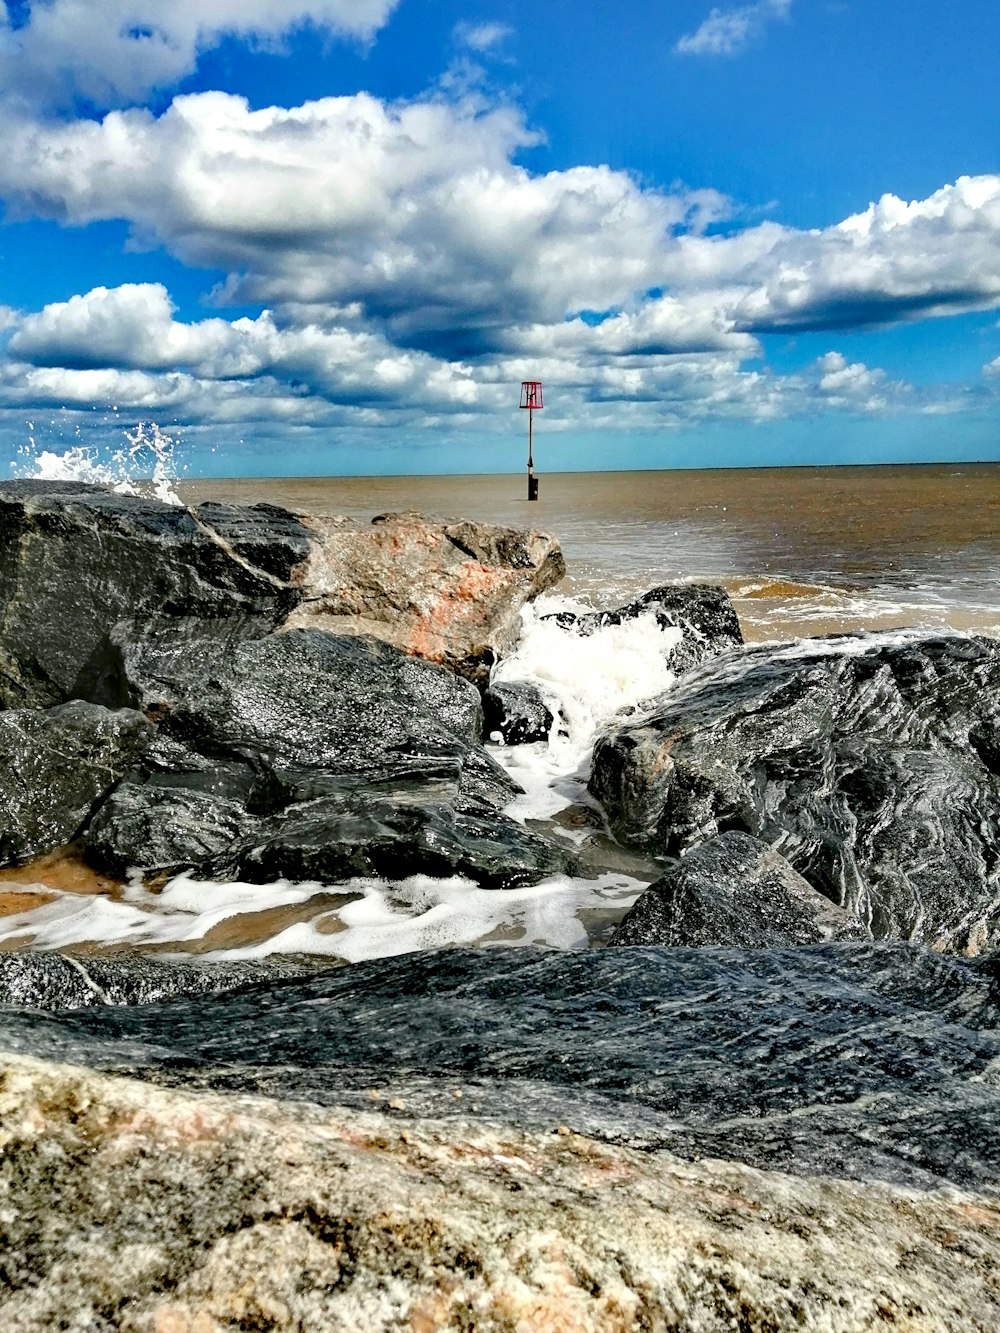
x=702 y=612
x=76 y=560
x=60 y=981
x=446 y=592
x=865 y=763
x=151 y=1210
x=313 y=755
x=55 y=767
x=393 y=834
x=734 y=891
x=517 y=711
x=861 y=1061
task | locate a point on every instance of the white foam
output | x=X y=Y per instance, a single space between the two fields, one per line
x=144 y=465
x=585 y=680
x=380 y=920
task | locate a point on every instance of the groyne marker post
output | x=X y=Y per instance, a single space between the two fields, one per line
x=531 y=399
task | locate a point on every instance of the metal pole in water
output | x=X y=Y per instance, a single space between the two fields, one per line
x=531 y=397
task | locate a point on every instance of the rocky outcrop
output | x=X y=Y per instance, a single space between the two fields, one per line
x=150 y=1210
x=869 y=765
x=701 y=612
x=76 y=560
x=446 y=592
x=79 y=563
x=733 y=891
x=310 y=755
x=55 y=767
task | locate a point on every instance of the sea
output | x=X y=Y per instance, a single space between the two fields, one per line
x=803 y=552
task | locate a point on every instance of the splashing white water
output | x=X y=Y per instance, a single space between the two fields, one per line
x=584 y=681
x=145 y=465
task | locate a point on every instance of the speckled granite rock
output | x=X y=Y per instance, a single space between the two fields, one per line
x=127 y=1207
x=869 y=764
x=447 y=592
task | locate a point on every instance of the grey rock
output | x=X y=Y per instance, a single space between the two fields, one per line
x=867 y=764
x=54 y=981
x=702 y=612
x=150 y=1210
x=75 y=560
x=55 y=768
x=734 y=891
x=311 y=749
x=517 y=711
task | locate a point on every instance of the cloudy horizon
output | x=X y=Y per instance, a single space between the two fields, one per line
x=329 y=236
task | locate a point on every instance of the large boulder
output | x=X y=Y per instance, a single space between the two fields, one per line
x=870 y=765
x=701 y=613
x=75 y=560
x=447 y=592
x=154 y=1210
x=55 y=768
x=733 y=891
x=312 y=756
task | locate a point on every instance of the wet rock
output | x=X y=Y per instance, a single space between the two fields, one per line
x=702 y=612
x=59 y=981
x=517 y=711
x=150 y=1210
x=75 y=560
x=734 y=891
x=55 y=767
x=307 y=749
x=865 y=763
x=446 y=592
x=394 y=834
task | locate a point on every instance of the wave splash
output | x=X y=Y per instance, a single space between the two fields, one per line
x=145 y=464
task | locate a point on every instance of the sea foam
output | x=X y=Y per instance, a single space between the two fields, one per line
x=146 y=464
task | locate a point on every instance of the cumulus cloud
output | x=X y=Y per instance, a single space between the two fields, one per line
x=481 y=37
x=115 y=52
x=727 y=32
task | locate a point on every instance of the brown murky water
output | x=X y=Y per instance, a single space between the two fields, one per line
x=802 y=550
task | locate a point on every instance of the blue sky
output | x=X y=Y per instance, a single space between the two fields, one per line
x=332 y=236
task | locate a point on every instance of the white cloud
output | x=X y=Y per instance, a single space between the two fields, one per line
x=992 y=367
x=114 y=52
x=727 y=32
x=481 y=37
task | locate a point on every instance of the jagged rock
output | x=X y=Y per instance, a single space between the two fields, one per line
x=702 y=612
x=733 y=891
x=75 y=560
x=312 y=755
x=150 y=1210
x=60 y=981
x=55 y=766
x=866 y=763
x=447 y=592
x=517 y=711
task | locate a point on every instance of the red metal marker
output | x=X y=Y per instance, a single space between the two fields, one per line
x=531 y=398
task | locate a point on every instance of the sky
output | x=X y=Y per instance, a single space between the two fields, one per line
x=333 y=236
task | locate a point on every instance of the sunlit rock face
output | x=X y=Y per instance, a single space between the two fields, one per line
x=447 y=592
x=871 y=766
x=150 y=1210
x=77 y=560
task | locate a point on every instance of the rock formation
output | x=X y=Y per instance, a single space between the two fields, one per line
x=869 y=765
